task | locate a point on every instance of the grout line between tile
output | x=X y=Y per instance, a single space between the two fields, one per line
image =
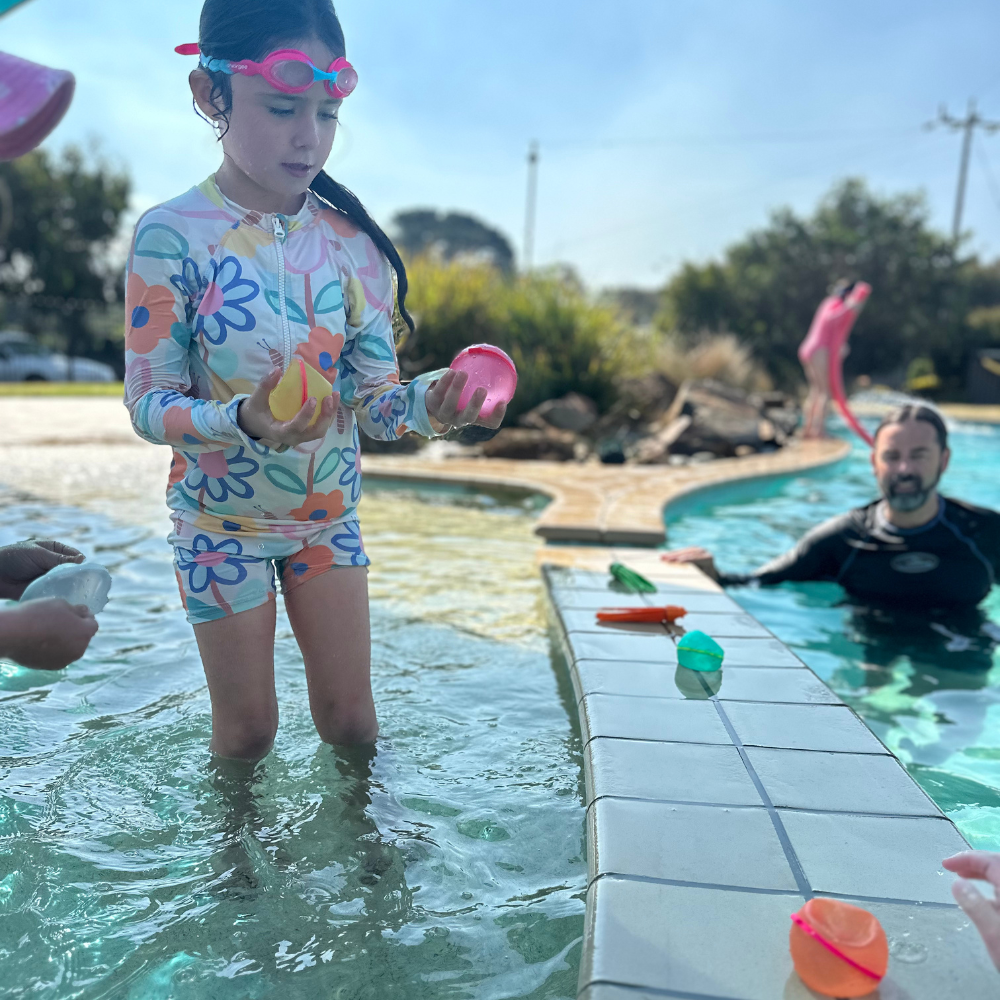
x=703 y=743
x=744 y=805
x=895 y=902
x=685 y=884
x=652 y=880
x=677 y=994
x=779 y=827
x=742 y=701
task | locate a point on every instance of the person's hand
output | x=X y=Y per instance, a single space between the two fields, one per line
x=257 y=421
x=695 y=555
x=983 y=912
x=442 y=404
x=23 y=562
x=47 y=634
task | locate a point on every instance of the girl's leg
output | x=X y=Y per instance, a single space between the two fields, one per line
x=329 y=615
x=238 y=654
x=819 y=395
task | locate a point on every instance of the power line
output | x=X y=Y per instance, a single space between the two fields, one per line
x=724 y=139
x=968 y=125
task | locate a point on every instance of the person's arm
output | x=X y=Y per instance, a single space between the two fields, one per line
x=47 y=634
x=370 y=384
x=815 y=557
x=23 y=562
x=983 y=912
x=158 y=333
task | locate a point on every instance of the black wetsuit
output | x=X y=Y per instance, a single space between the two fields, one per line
x=951 y=561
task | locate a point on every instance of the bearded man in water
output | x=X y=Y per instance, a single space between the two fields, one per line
x=913 y=548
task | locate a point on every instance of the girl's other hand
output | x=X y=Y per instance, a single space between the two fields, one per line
x=257 y=421
x=982 y=911
x=442 y=404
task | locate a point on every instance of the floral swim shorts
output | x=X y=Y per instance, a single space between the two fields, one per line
x=222 y=574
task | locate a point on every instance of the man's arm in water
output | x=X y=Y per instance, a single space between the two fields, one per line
x=819 y=555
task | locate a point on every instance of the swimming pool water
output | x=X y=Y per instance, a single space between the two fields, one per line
x=928 y=690
x=449 y=864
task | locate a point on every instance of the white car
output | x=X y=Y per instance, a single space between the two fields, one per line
x=24 y=360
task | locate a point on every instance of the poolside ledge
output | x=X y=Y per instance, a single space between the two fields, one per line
x=714 y=810
x=605 y=504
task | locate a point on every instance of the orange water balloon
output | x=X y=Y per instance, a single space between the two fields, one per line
x=838 y=950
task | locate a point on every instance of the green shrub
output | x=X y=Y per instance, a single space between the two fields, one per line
x=560 y=340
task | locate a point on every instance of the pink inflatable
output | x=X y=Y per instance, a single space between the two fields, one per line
x=822 y=355
x=33 y=99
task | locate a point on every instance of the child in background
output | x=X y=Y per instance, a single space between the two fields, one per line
x=269 y=264
x=823 y=351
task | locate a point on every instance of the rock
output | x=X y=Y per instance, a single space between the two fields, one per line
x=408 y=444
x=657 y=446
x=710 y=417
x=549 y=445
x=610 y=452
x=573 y=412
x=472 y=434
x=641 y=403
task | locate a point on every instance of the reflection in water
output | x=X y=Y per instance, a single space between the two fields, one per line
x=698 y=685
x=448 y=864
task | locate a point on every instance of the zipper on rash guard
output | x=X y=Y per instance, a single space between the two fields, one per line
x=286 y=335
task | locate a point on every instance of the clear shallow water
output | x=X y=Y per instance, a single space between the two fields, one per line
x=934 y=704
x=451 y=864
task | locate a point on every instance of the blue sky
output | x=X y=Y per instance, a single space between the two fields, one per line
x=668 y=128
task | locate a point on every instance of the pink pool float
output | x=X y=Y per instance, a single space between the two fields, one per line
x=490 y=368
x=33 y=99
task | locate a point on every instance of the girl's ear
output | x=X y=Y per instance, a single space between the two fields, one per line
x=201 y=90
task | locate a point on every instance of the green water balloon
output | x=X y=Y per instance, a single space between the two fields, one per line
x=698 y=651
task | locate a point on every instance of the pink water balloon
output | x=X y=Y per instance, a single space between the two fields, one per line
x=490 y=368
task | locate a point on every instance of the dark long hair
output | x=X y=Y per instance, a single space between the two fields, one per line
x=250 y=29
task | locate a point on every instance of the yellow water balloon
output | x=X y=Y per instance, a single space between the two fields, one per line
x=299 y=382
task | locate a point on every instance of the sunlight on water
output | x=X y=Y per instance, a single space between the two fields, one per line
x=451 y=864
x=935 y=706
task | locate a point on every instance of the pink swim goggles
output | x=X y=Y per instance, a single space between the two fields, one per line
x=287 y=70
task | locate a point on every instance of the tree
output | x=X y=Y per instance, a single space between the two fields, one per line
x=767 y=286
x=56 y=268
x=452 y=235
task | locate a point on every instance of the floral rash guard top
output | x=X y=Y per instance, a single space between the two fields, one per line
x=217 y=296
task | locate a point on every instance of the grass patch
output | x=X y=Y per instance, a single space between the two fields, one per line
x=62 y=389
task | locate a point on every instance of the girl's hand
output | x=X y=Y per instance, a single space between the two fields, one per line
x=442 y=404
x=257 y=421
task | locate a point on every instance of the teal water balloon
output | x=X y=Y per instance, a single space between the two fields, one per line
x=698 y=651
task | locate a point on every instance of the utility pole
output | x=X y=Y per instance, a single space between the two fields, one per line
x=968 y=125
x=531 y=203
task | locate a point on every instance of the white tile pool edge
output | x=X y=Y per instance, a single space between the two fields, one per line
x=710 y=819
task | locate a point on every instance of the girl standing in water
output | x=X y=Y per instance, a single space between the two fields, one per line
x=268 y=264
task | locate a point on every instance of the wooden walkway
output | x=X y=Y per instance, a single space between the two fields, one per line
x=604 y=504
